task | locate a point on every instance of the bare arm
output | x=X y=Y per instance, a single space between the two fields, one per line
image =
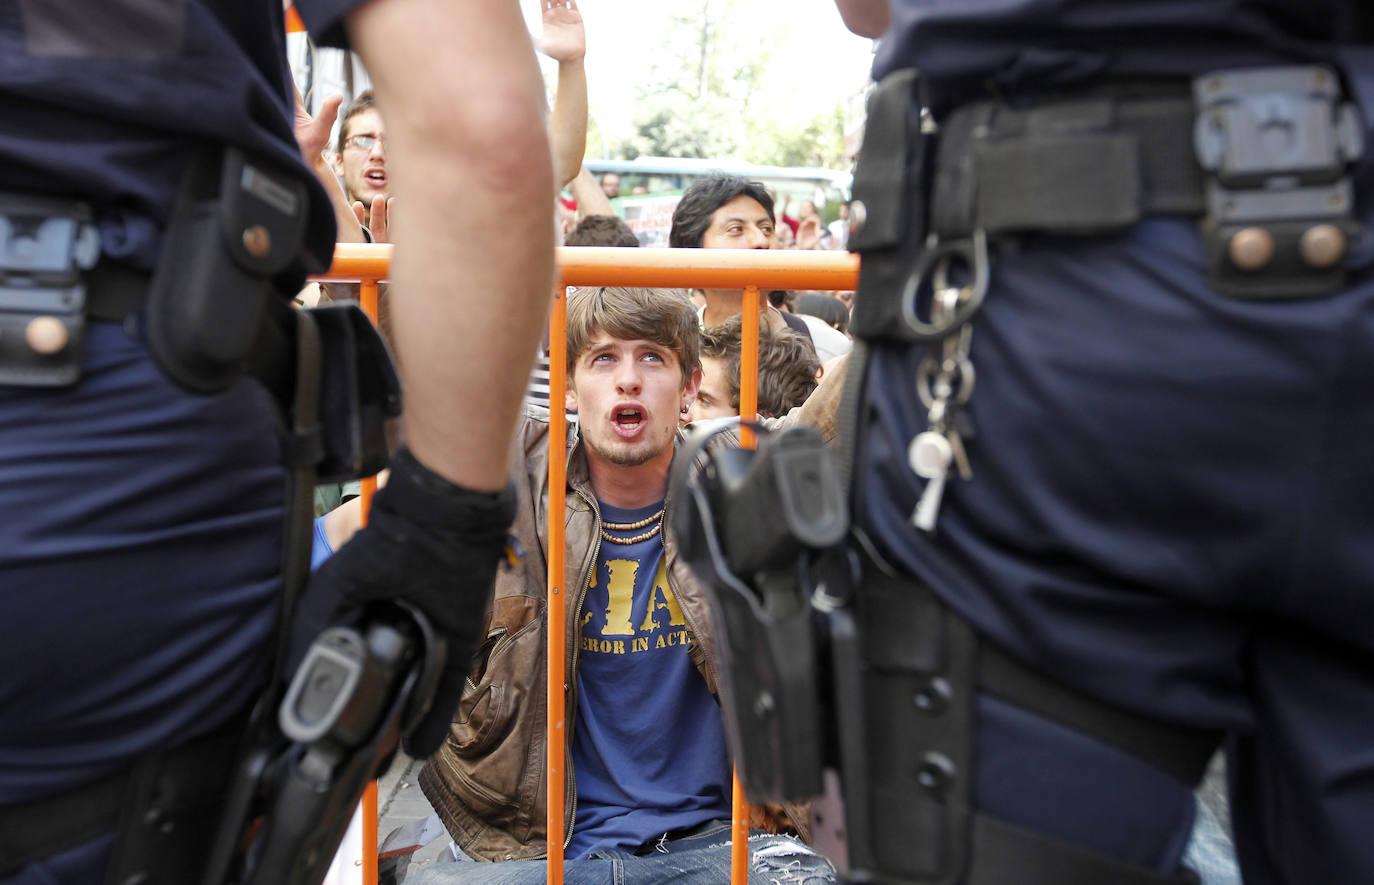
x=591 y=199
x=564 y=40
x=379 y=214
x=867 y=18
x=312 y=134
x=466 y=129
x=821 y=409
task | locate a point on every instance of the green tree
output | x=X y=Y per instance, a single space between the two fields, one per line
x=819 y=142
x=695 y=100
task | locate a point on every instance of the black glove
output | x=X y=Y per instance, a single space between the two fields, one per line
x=435 y=545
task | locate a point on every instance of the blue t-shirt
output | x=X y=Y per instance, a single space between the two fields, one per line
x=320 y=548
x=649 y=752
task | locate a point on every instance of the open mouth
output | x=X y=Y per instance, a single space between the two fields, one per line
x=628 y=420
x=375 y=177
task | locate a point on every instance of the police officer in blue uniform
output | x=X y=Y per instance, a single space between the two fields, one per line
x=1113 y=439
x=142 y=470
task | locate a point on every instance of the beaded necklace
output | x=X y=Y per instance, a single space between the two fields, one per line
x=656 y=518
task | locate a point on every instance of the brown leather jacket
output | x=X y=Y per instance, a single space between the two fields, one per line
x=487 y=781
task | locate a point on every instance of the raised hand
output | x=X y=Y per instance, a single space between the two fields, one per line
x=312 y=133
x=564 y=39
x=809 y=233
x=379 y=215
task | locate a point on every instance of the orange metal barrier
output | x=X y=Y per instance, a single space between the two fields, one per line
x=557 y=738
x=294 y=25
x=750 y=270
x=367 y=298
x=679 y=268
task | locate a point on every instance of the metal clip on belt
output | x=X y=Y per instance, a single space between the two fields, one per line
x=1276 y=144
x=45 y=244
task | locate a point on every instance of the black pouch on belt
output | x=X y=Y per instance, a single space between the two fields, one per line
x=238 y=222
x=354 y=382
x=888 y=217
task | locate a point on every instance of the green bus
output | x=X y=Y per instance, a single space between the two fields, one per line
x=651 y=186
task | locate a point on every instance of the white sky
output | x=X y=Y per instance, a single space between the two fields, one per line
x=818 y=61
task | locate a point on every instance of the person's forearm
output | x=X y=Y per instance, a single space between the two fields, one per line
x=821 y=409
x=591 y=199
x=473 y=271
x=349 y=229
x=568 y=122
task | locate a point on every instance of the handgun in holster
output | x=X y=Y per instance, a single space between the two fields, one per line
x=356 y=691
x=752 y=524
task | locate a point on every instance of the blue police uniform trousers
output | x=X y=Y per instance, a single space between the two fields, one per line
x=140 y=551
x=1172 y=509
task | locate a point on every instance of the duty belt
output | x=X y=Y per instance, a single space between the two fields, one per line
x=1262 y=156
x=113 y=293
x=164 y=803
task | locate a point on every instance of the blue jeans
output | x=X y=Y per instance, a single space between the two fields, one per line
x=1211 y=853
x=702 y=858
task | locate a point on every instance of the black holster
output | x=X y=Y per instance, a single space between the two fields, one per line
x=890 y=195
x=745 y=524
x=834 y=659
x=237 y=224
x=356 y=691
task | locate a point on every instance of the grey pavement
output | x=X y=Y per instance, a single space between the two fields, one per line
x=400 y=802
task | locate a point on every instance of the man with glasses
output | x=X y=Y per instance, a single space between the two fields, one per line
x=361 y=155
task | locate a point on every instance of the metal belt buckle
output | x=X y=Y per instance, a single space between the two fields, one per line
x=1277 y=145
x=918 y=298
x=45 y=244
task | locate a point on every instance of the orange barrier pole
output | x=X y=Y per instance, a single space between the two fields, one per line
x=748 y=411
x=749 y=365
x=707 y=268
x=557 y=694
x=367 y=296
x=294 y=25
x=675 y=268
x=367 y=299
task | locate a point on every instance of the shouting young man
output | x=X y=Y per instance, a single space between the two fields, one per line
x=360 y=155
x=648 y=779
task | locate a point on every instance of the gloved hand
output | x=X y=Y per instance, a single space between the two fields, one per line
x=433 y=544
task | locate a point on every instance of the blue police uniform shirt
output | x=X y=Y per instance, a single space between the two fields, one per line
x=649 y=752
x=105 y=101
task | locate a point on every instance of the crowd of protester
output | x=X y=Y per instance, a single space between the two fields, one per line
x=802 y=335
x=803 y=340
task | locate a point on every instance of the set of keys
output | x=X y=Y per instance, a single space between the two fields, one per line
x=944 y=382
